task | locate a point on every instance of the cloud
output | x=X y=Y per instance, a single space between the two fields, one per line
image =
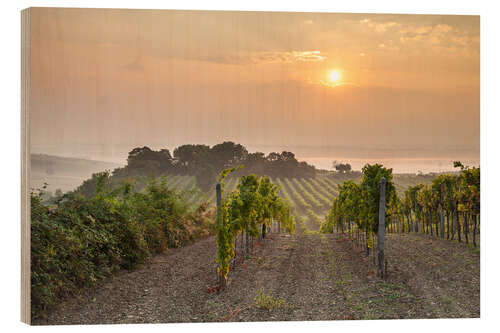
x=443 y=36
x=440 y=34
x=334 y=84
x=308 y=55
x=443 y=28
x=460 y=40
x=268 y=57
x=423 y=30
x=380 y=26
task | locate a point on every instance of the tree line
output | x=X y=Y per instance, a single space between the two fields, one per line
x=205 y=163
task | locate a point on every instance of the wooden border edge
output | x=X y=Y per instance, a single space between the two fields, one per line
x=25 y=167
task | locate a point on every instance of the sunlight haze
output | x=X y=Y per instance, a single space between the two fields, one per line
x=360 y=87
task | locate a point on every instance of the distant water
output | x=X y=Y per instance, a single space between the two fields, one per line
x=399 y=165
x=400 y=159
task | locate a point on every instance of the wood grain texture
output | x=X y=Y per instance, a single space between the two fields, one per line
x=25 y=166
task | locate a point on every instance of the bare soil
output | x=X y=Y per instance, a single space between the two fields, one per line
x=309 y=277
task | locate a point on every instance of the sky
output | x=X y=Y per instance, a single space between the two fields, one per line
x=401 y=89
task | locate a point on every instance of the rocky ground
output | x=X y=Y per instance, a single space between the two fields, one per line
x=299 y=277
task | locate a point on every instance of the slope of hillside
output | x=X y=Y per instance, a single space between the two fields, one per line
x=63 y=173
x=310 y=197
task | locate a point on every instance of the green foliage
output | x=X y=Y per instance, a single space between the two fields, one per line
x=203 y=162
x=254 y=203
x=297 y=197
x=453 y=192
x=317 y=191
x=460 y=191
x=370 y=188
x=469 y=186
x=81 y=240
x=268 y=302
x=360 y=203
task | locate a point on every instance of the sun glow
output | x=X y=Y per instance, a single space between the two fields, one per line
x=334 y=76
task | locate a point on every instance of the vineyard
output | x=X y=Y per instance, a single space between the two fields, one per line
x=381 y=245
x=363 y=211
x=416 y=206
x=309 y=198
x=448 y=206
x=289 y=277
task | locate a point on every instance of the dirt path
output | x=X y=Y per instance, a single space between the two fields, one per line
x=317 y=277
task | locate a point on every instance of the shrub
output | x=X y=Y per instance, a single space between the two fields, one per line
x=80 y=240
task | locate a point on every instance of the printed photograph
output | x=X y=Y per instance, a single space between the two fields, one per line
x=232 y=166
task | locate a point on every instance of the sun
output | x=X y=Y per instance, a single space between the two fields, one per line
x=334 y=76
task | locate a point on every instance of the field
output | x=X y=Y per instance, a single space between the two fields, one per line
x=299 y=277
x=310 y=198
x=164 y=263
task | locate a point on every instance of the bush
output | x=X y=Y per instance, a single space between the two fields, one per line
x=80 y=240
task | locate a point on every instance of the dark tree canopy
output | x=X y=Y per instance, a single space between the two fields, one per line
x=343 y=167
x=227 y=154
x=205 y=163
x=189 y=158
x=144 y=160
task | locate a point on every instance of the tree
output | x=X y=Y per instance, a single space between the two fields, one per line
x=226 y=155
x=203 y=162
x=256 y=163
x=343 y=167
x=146 y=161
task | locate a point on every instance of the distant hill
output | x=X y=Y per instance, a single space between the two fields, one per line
x=64 y=173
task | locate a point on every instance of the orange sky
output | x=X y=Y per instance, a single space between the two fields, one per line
x=105 y=81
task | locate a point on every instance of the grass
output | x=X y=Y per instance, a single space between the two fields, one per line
x=266 y=301
x=369 y=315
x=447 y=300
x=475 y=250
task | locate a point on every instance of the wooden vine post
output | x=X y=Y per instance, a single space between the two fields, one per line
x=416 y=219
x=247 y=251
x=442 y=211
x=220 y=219
x=381 y=229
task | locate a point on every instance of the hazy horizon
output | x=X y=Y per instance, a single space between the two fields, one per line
x=408 y=161
x=357 y=88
